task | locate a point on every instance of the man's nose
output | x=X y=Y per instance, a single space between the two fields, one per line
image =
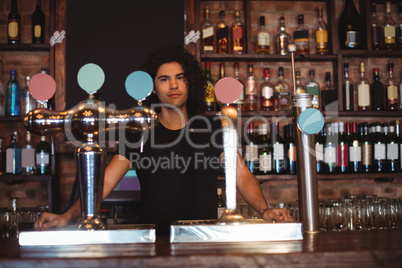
x=173 y=83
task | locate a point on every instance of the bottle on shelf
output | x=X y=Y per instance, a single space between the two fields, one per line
x=321 y=35
x=391 y=90
x=283 y=39
x=240 y=101
x=207 y=33
x=28 y=156
x=351 y=34
x=377 y=94
x=13 y=156
x=363 y=91
x=329 y=95
x=355 y=148
x=290 y=149
x=399 y=28
x=263 y=41
x=28 y=103
x=389 y=28
x=266 y=93
x=221 y=206
x=210 y=93
x=43 y=151
x=319 y=150
x=347 y=90
x=13 y=96
x=366 y=142
x=2 y=158
x=282 y=89
x=50 y=104
x=377 y=30
x=301 y=37
x=237 y=34
x=250 y=145
x=330 y=158
x=380 y=150
x=265 y=151
x=222 y=73
x=222 y=34
x=278 y=149
x=250 y=96
x=343 y=148
x=2 y=100
x=38 y=24
x=399 y=140
x=14 y=24
x=313 y=87
x=393 y=157
x=299 y=86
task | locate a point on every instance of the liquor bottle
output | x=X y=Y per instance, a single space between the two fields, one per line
x=377 y=93
x=363 y=91
x=313 y=88
x=351 y=32
x=265 y=151
x=13 y=156
x=14 y=24
x=377 y=30
x=266 y=93
x=51 y=103
x=43 y=151
x=399 y=140
x=393 y=157
x=400 y=95
x=238 y=42
x=2 y=100
x=399 y=28
x=251 y=97
x=299 y=87
x=2 y=158
x=28 y=103
x=321 y=35
x=329 y=94
x=282 y=87
x=343 y=148
x=38 y=24
x=380 y=150
x=207 y=31
x=319 y=150
x=330 y=159
x=301 y=37
x=389 y=28
x=28 y=156
x=263 y=41
x=278 y=147
x=240 y=101
x=13 y=96
x=290 y=149
x=210 y=93
x=221 y=206
x=283 y=39
x=391 y=90
x=222 y=73
x=347 y=90
x=355 y=149
x=222 y=34
x=250 y=145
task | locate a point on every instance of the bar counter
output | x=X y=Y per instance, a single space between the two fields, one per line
x=377 y=248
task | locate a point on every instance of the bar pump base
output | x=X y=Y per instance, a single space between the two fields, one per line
x=231 y=217
x=90 y=223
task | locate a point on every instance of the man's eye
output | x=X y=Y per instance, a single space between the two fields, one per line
x=163 y=79
x=180 y=77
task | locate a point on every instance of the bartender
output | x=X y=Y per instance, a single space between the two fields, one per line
x=178 y=161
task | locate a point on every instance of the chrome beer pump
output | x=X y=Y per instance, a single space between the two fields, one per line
x=86 y=126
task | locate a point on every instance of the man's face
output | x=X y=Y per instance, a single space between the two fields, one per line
x=171 y=85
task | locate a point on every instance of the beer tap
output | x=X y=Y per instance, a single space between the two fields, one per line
x=86 y=125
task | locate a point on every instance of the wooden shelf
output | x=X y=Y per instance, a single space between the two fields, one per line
x=21 y=178
x=364 y=53
x=267 y=58
x=25 y=47
x=363 y=114
x=346 y=176
x=11 y=119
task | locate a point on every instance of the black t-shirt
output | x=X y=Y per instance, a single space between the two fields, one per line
x=178 y=171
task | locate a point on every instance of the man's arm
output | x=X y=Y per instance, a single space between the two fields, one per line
x=114 y=172
x=250 y=189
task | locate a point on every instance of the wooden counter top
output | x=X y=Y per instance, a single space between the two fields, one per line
x=369 y=248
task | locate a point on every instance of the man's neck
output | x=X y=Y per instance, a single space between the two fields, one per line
x=173 y=119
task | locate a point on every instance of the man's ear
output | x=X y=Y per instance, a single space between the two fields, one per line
x=153 y=91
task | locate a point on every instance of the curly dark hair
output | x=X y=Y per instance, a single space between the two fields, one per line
x=193 y=72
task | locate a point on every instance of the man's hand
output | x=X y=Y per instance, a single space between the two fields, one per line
x=277 y=215
x=48 y=220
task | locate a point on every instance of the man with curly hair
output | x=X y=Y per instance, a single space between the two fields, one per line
x=178 y=163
